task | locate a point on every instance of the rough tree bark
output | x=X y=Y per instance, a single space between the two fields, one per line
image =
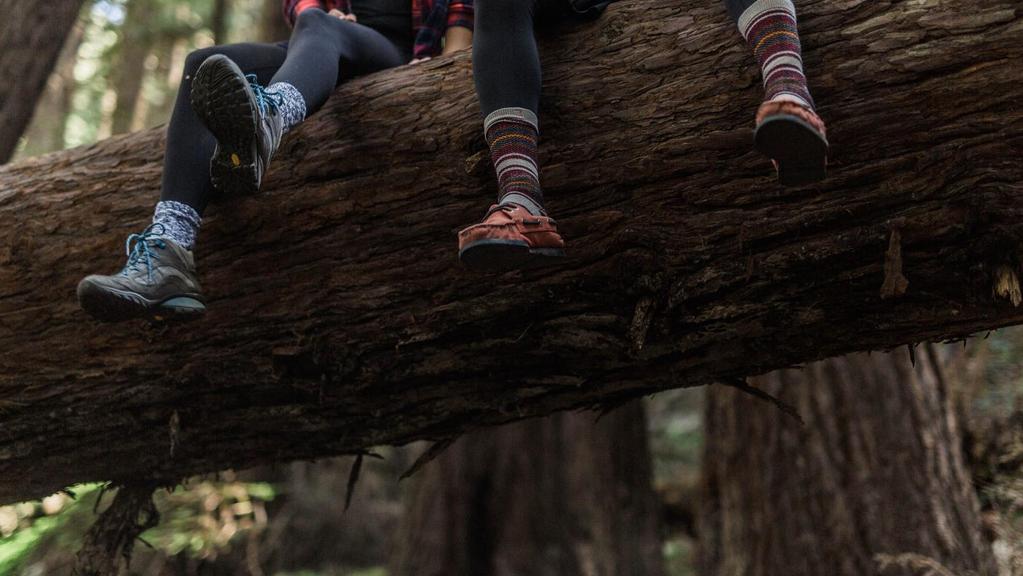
x=339 y=318
x=873 y=484
x=31 y=37
x=559 y=496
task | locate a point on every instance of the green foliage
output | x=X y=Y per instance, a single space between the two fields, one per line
x=678 y=557
x=676 y=446
x=676 y=433
x=15 y=548
x=199 y=521
x=57 y=522
x=92 y=70
x=1001 y=355
x=202 y=520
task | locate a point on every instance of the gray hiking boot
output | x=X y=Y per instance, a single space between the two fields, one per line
x=158 y=282
x=244 y=118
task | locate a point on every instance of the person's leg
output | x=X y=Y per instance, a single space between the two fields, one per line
x=506 y=66
x=159 y=279
x=186 y=187
x=769 y=27
x=325 y=50
x=788 y=128
x=249 y=120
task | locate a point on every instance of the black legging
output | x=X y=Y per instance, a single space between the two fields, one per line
x=323 y=52
x=505 y=61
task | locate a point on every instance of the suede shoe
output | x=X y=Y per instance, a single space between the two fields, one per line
x=510 y=238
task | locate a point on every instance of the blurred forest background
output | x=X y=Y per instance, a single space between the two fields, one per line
x=908 y=462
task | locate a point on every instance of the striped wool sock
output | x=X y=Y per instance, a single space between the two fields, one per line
x=512 y=134
x=769 y=27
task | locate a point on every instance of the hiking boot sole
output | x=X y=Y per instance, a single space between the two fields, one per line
x=799 y=150
x=506 y=255
x=111 y=305
x=222 y=99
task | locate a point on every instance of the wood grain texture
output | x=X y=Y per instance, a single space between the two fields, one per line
x=340 y=319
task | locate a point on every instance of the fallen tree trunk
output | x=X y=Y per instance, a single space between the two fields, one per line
x=340 y=319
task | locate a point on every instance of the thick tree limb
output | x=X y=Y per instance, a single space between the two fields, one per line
x=340 y=319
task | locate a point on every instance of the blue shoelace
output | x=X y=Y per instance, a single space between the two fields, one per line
x=264 y=99
x=139 y=248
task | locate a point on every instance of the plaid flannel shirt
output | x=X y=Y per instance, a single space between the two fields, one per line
x=430 y=19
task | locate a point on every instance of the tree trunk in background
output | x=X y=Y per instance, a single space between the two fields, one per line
x=170 y=51
x=874 y=484
x=31 y=38
x=130 y=70
x=46 y=131
x=273 y=27
x=218 y=20
x=339 y=318
x=561 y=496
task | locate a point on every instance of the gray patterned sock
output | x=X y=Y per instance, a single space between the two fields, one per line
x=292 y=109
x=180 y=222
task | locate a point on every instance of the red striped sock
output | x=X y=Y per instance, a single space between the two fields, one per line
x=769 y=27
x=512 y=134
